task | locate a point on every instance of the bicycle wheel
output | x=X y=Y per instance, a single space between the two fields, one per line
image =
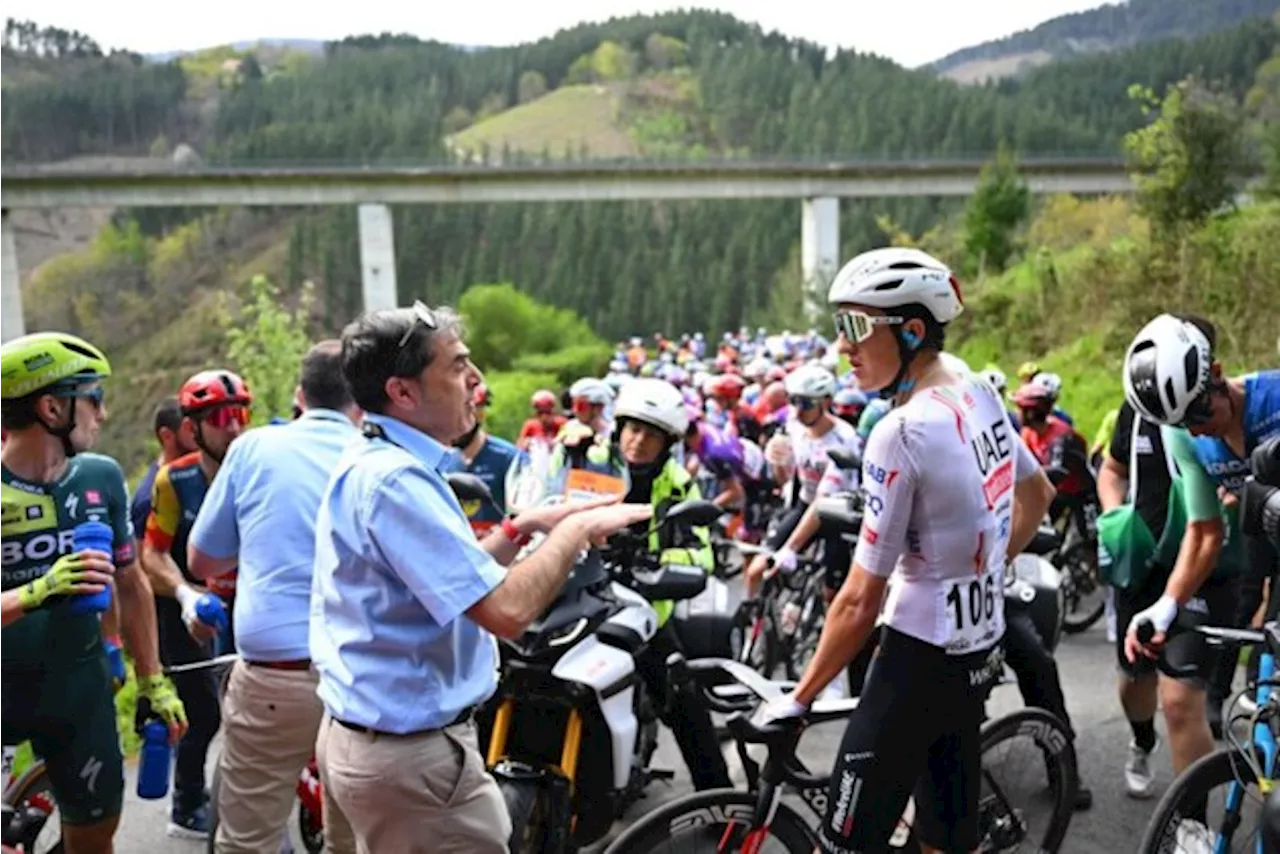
x=1084 y=595
x=1026 y=814
x=36 y=825
x=709 y=821
x=1176 y=823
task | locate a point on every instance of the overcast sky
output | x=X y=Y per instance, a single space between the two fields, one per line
x=910 y=31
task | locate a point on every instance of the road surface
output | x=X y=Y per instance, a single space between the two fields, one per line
x=1086 y=661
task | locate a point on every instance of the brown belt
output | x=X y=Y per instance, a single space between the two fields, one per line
x=295 y=664
x=463 y=717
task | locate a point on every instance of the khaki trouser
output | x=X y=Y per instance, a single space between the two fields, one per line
x=421 y=793
x=269 y=723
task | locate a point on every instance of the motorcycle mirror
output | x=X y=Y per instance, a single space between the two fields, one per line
x=468 y=487
x=845 y=459
x=694 y=512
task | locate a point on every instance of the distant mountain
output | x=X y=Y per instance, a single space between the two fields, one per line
x=305 y=45
x=1097 y=30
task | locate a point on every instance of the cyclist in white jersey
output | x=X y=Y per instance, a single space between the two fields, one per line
x=812 y=431
x=951 y=495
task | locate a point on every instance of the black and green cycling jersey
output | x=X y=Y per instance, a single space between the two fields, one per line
x=56 y=683
x=38 y=522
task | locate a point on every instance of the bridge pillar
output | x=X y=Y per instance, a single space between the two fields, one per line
x=819 y=246
x=11 y=321
x=377 y=257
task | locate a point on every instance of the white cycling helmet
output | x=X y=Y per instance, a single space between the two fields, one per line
x=1051 y=383
x=1166 y=369
x=894 y=277
x=811 y=381
x=592 y=390
x=955 y=364
x=654 y=402
x=995 y=378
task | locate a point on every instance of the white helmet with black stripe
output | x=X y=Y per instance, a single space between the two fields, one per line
x=1166 y=369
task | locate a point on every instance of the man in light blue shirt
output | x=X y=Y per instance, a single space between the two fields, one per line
x=260 y=514
x=405 y=601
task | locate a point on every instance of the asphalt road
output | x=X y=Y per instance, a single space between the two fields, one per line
x=1113 y=826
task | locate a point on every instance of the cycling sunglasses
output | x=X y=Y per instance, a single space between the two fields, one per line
x=421 y=314
x=803 y=403
x=96 y=395
x=224 y=416
x=1199 y=412
x=857 y=326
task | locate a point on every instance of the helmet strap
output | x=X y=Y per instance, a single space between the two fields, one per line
x=200 y=443
x=64 y=432
x=901 y=383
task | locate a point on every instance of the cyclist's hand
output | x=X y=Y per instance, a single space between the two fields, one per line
x=71 y=575
x=115 y=658
x=778 y=709
x=784 y=560
x=188 y=598
x=1160 y=616
x=159 y=691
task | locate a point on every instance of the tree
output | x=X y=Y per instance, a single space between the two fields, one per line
x=1187 y=161
x=999 y=205
x=532 y=86
x=266 y=343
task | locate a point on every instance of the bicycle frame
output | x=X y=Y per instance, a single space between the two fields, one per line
x=1264 y=741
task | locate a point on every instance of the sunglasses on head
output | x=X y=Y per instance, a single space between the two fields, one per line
x=421 y=314
x=803 y=403
x=224 y=416
x=857 y=326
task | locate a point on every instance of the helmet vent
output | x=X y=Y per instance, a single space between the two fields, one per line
x=888 y=286
x=1191 y=364
x=76 y=348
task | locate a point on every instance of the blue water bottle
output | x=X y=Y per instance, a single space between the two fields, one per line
x=96 y=536
x=211 y=611
x=155 y=761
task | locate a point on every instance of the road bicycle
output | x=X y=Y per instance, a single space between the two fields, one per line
x=757 y=818
x=1190 y=817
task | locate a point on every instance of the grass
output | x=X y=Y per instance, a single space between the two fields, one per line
x=562 y=121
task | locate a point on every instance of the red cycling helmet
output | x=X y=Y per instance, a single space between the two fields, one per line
x=543 y=401
x=775 y=374
x=210 y=389
x=481 y=397
x=1033 y=396
x=727 y=386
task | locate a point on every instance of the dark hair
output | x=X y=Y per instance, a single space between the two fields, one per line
x=371 y=351
x=168 y=414
x=321 y=380
x=1206 y=327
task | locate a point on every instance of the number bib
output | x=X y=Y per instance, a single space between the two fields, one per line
x=971 y=612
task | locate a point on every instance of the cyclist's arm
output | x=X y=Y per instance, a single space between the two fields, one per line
x=1205 y=531
x=133 y=603
x=162 y=528
x=853 y=612
x=138 y=622
x=733 y=492
x=804 y=530
x=1113 y=483
x=10 y=607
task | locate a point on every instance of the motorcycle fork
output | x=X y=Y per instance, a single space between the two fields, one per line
x=501 y=729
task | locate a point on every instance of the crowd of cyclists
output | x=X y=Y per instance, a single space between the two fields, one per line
x=959 y=468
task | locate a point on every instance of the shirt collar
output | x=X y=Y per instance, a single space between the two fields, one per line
x=321 y=414
x=413 y=440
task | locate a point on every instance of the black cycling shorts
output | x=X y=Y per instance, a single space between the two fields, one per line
x=70 y=718
x=1214 y=604
x=915 y=732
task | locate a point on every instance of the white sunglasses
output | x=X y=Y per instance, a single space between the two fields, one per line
x=421 y=314
x=857 y=326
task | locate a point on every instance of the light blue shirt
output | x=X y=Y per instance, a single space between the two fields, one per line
x=397 y=567
x=262 y=506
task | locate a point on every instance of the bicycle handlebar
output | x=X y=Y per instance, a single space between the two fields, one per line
x=1217 y=636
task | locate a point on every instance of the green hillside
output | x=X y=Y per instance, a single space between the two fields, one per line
x=1106 y=28
x=679 y=86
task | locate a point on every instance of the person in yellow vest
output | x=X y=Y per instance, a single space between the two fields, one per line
x=651 y=420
